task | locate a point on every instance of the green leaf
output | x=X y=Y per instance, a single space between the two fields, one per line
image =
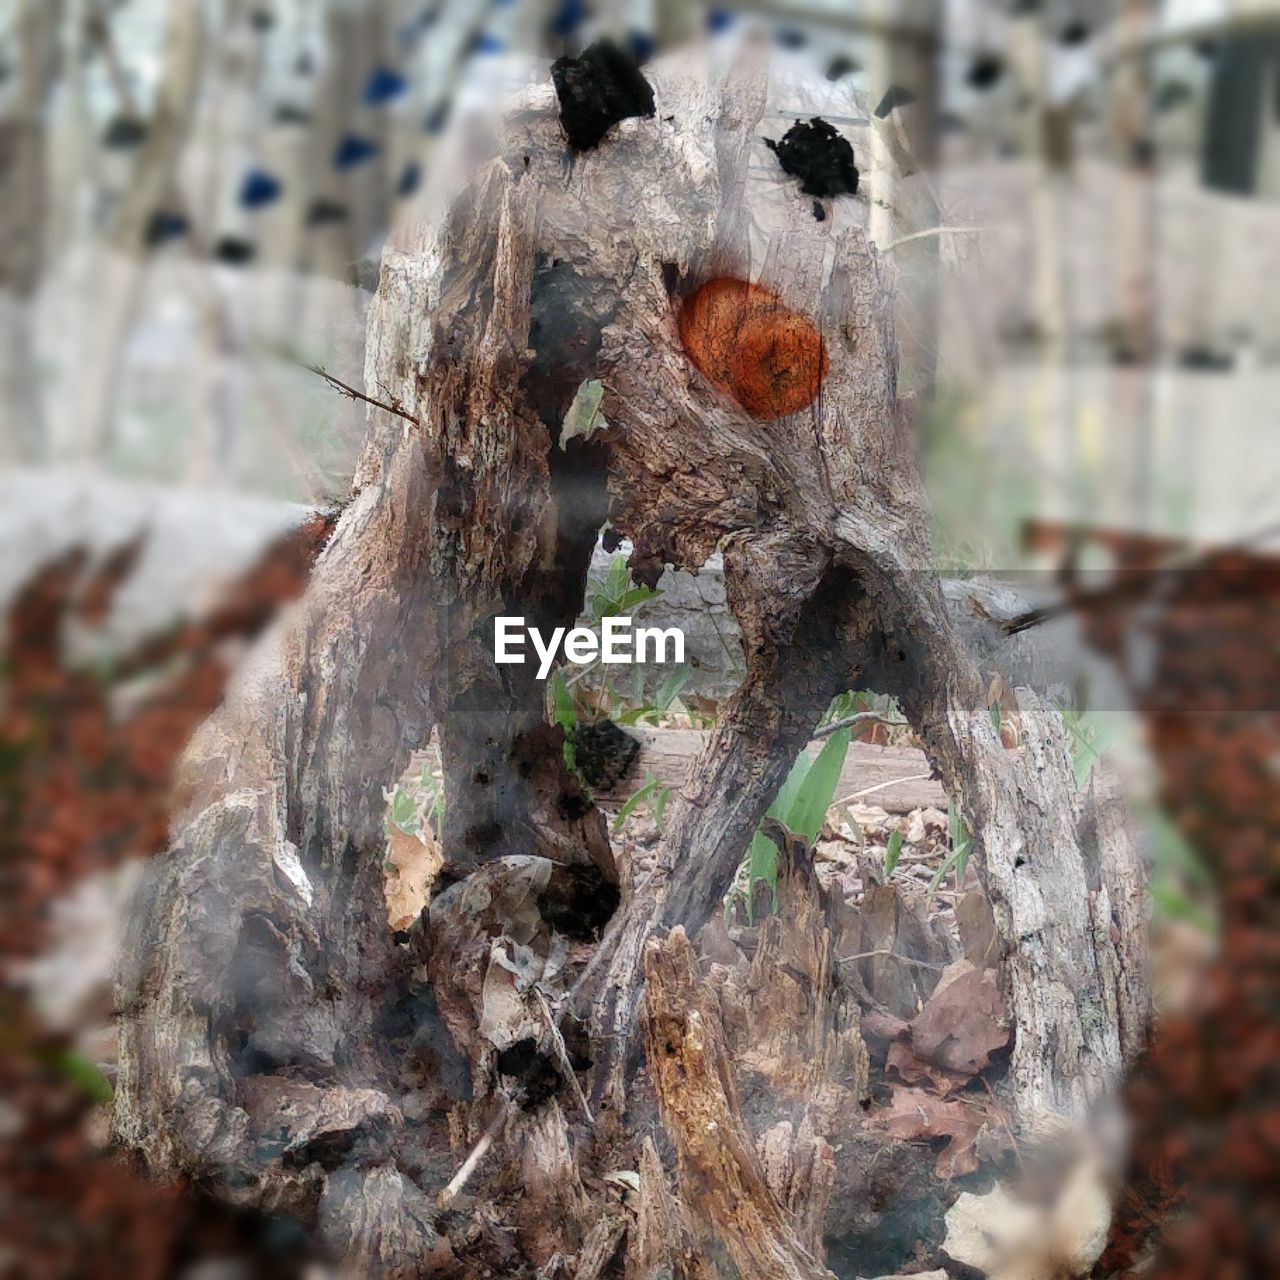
x=762 y=856
x=404 y=811
x=661 y=796
x=633 y=715
x=994 y=709
x=616 y=583
x=958 y=859
x=762 y=864
x=892 y=852
x=634 y=800
x=817 y=789
x=85 y=1075
x=565 y=714
x=801 y=805
x=670 y=688
x=635 y=596
x=784 y=802
x=952 y=860
x=584 y=414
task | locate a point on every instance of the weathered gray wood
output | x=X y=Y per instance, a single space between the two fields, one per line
x=261 y=969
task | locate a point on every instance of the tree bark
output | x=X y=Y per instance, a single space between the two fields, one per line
x=279 y=1044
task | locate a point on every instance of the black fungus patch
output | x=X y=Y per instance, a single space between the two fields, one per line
x=597 y=90
x=578 y=902
x=535 y=1074
x=817 y=154
x=603 y=753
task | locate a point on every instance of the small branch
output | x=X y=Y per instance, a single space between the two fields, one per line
x=478 y=1153
x=893 y=955
x=935 y=231
x=392 y=406
x=862 y=717
x=562 y=1055
x=880 y=786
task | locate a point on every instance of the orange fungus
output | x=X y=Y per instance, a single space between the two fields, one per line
x=741 y=337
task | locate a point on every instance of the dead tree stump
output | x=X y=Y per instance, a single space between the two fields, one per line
x=280 y=1046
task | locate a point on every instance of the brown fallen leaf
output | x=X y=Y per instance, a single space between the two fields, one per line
x=913 y=1114
x=903 y=1064
x=413 y=862
x=962 y=1024
x=880 y=1029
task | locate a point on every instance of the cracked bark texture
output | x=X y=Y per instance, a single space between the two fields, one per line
x=279 y=1044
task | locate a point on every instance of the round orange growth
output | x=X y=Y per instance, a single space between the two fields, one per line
x=740 y=336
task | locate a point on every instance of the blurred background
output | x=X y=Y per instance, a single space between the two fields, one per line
x=1081 y=199
x=1078 y=196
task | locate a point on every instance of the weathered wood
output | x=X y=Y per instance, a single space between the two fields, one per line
x=721 y=1176
x=260 y=965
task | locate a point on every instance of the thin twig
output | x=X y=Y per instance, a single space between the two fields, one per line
x=478 y=1152
x=582 y=674
x=935 y=231
x=351 y=393
x=880 y=786
x=872 y=955
x=562 y=1053
x=862 y=717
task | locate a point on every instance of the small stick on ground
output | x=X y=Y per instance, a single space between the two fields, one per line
x=478 y=1153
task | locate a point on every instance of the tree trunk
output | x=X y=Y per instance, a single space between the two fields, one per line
x=281 y=1045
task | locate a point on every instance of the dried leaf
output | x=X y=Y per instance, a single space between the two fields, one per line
x=914 y=1114
x=880 y=1029
x=903 y=1064
x=868 y=816
x=413 y=862
x=976 y=923
x=915 y=832
x=962 y=1024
